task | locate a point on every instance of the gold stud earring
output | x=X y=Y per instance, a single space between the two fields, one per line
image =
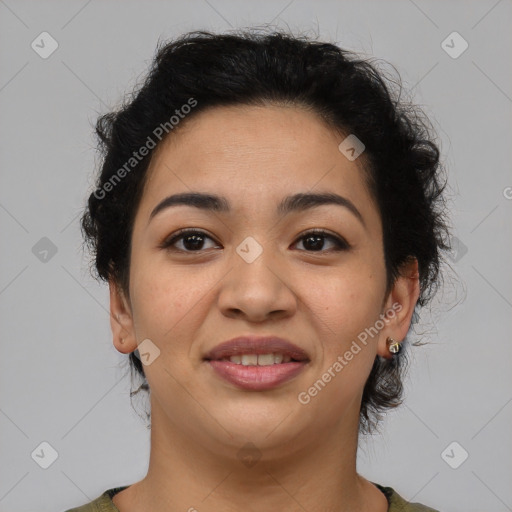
x=393 y=345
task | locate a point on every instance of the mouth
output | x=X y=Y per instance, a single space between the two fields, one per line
x=259 y=359
x=257 y=363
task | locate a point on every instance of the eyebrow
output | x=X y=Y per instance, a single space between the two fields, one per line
x=290 y=204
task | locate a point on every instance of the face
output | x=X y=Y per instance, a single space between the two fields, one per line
x=251 y=269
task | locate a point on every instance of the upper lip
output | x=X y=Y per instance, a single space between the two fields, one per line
x=257 y=345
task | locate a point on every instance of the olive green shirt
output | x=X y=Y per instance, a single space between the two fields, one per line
x=396 y=503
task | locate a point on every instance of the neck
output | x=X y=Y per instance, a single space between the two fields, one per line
x=319 y=476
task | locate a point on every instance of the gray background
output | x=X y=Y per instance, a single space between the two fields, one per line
x=61 y=379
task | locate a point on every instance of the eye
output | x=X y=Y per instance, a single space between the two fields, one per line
x=192 y=240
x=314 y=241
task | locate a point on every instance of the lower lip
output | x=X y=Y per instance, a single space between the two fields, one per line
x=257 y=378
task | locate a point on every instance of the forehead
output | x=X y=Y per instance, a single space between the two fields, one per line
x=254 y=153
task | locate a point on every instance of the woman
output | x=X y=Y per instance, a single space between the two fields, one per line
x=268 y=217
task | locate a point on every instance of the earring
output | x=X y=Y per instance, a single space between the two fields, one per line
x=393 y=345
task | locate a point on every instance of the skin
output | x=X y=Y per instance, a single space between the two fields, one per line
x=187 y=303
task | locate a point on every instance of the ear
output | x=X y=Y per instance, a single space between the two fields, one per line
x=399 y=307
x=121 y=320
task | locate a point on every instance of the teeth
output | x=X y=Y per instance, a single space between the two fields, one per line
x=265 y=359
x=249 y=359
x=259 y=359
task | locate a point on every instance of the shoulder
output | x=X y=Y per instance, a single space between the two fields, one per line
x=102 y=503
x=399 y=504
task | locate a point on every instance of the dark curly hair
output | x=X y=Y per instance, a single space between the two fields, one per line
x=254 y=67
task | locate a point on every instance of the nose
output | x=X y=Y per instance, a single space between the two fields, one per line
x=258 y=291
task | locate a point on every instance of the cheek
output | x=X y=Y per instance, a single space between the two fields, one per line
x=347 y=301
x=163 y=300
x=351 y=301
x=350 y=305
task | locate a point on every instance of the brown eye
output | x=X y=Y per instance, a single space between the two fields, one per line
x=191 y=240
x=315 y=241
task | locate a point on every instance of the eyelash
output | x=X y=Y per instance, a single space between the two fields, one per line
x=341 y=244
